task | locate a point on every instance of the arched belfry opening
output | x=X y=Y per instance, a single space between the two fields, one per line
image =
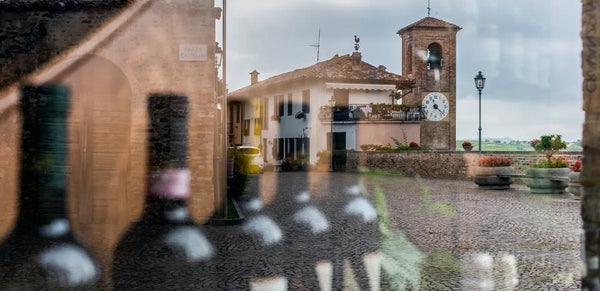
x=434 y=56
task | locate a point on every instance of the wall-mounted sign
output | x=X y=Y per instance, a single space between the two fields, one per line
x=192 y=52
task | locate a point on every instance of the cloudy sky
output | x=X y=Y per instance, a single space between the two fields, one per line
x=529 y=50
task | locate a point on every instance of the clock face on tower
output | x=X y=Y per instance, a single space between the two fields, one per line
x=435 y=106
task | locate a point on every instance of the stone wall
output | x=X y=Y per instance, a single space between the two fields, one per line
x=442 y=164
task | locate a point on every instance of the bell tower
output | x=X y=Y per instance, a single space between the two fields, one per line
x=429 y=58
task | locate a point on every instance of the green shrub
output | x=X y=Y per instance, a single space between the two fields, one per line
x=550 y=144
x=237 y=183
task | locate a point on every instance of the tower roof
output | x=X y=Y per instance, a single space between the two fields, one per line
x=429 y=23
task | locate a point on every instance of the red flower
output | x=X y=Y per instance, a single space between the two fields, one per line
x=494 y=162
x=534 y=142
x=576 y=167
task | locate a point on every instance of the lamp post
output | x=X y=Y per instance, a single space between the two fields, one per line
x=479 y=83
x=331 y=103
x=220 y=153
x=218 y=57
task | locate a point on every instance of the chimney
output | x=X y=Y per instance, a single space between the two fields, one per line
x=356 y=58
x=254 y=77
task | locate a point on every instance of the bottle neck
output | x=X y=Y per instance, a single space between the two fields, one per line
x=168 y=185
x=42 y=173
x=167 y=194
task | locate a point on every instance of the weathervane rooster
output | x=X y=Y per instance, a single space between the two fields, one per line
x=356 y=45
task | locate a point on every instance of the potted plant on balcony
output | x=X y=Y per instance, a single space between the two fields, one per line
x=494 y=173
x=574 y=182
x=467 y=146
x=549 y=175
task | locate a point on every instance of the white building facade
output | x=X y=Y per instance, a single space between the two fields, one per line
x=294 y=114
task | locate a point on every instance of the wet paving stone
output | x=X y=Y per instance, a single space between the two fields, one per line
x=449 y=225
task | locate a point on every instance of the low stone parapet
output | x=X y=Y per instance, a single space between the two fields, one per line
x=443 y=164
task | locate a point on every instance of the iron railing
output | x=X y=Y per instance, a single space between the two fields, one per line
x=371 y=112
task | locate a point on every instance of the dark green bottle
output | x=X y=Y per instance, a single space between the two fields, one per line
x=42 y=252
x=165 y=249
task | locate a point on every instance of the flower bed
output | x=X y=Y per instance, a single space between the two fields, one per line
x=494 y=173
x=549 y=175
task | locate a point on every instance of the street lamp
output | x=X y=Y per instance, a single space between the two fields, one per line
x=218 y=56
x=479 y=83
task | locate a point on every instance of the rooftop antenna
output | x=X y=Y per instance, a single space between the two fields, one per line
x=318 y=45
x=428 y=8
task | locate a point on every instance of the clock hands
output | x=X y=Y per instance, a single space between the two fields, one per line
x=435 y=106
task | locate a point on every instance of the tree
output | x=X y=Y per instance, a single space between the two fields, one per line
x=550 y=144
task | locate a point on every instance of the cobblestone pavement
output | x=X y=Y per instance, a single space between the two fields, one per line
x=350 y=231
x=433 y=234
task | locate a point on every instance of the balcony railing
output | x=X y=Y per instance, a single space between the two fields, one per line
x=371 y=112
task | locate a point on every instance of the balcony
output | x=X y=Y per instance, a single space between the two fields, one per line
x=371 y=112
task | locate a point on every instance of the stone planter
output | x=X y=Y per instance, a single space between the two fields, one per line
x=547 y=180
x=487 y=177
x=574 y=184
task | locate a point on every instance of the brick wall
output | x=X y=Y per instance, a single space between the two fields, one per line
x=32 y=38
x=454 y=165
x=107 y=127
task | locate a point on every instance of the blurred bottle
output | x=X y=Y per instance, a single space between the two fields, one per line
x=165 y=248
x=42 y=252
x=251 y=255
x=356 y=238
x=309 y=246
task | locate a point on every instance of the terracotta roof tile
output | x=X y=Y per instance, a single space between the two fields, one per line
x=337 y=69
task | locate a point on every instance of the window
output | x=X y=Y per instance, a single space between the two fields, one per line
x=290 y=149
x=434 y=56
x=279 y=105
x=246 y=127
x=280 y=148
x=306 y=101
x=264 y=113
x=257 y=122
x=302 y=147
x=289 y=104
